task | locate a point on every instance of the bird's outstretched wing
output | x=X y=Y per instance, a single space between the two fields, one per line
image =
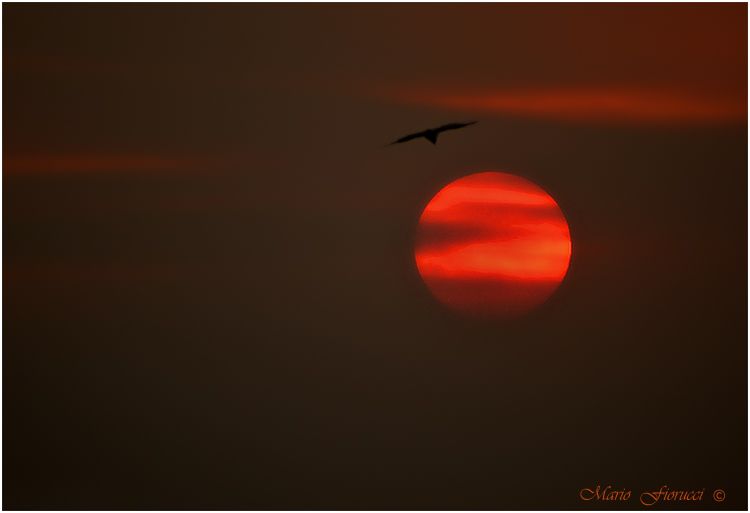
x=453 y=126
x=409 y=137
x=431 y=134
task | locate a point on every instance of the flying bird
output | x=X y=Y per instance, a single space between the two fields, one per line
x=431 y=134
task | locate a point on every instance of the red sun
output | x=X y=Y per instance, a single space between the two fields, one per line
x=492 y=244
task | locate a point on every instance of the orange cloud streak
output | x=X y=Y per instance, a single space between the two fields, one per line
x=585 y=104
x=92 y=163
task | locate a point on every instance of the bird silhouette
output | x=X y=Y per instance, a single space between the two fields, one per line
x=431 y=134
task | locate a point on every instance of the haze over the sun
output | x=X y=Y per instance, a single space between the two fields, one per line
x=492 y=244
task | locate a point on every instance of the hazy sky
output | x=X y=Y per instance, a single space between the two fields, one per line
x=210 y=292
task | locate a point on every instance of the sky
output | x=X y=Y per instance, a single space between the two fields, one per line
x=211 y=297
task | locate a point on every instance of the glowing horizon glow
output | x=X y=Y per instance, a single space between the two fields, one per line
x=492 y=244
